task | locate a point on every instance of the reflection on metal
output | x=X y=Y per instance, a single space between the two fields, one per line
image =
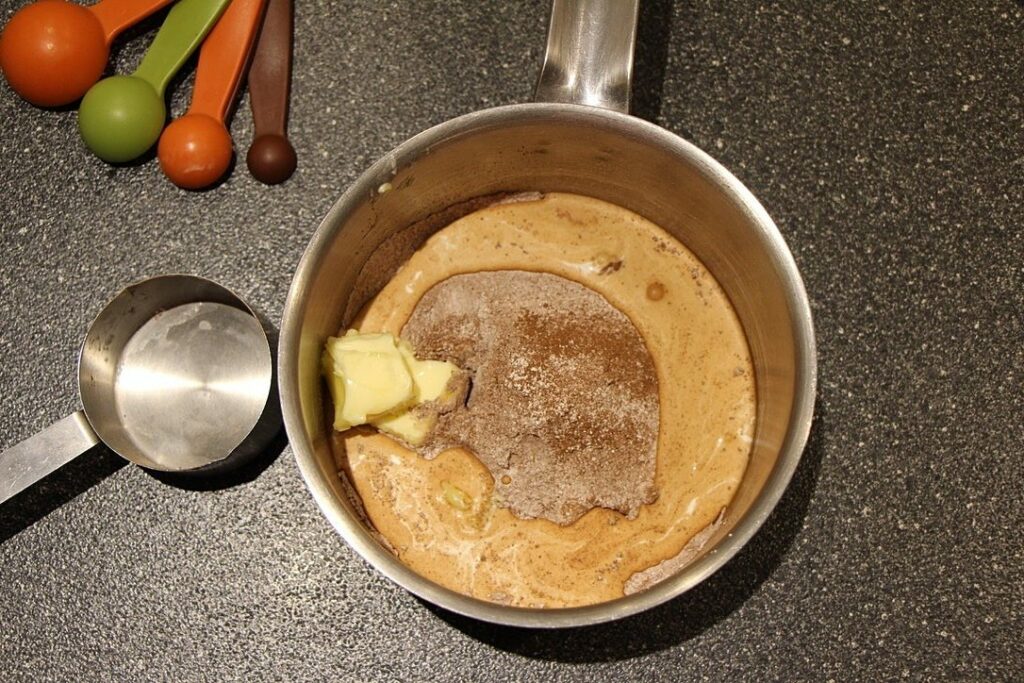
x=589 y=56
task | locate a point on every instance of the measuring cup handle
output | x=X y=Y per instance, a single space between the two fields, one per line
x=589 y=57
x=25 y=463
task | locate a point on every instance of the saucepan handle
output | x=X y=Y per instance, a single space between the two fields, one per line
x=589 y=57
x=25 y=463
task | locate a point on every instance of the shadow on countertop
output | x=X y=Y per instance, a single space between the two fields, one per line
x=84 y=472
x=56 y=489
x=654 y=32
x=247 y=471
x=688 y=615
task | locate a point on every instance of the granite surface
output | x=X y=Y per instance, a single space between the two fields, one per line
x=886 y=139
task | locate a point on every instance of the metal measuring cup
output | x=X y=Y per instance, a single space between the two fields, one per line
x=175 y=374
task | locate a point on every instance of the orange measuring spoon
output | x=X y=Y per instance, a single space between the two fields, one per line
x=195 y=150
x=52 y=51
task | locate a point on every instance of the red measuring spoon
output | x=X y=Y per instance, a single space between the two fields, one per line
x=52 y=52
x=271 y=158
x=195 y=150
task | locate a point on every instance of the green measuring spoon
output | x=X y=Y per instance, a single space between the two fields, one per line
x=122 y=116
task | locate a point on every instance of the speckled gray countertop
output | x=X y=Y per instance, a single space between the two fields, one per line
x=886 y=139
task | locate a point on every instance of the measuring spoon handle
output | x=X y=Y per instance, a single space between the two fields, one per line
x=184 y=29
x=223 y=58
x=271 y=69
x=117 y=15
x=25 y=463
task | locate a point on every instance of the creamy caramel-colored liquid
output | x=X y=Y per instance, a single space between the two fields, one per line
x=706 y=394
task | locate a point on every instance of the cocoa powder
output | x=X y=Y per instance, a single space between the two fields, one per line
x=563 y=403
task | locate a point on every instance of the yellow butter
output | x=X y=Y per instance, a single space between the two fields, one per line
x=374 y=377
x=456 y=497
x=406 y=425
x=430 y=378
x=336 y=385
x=377 y=379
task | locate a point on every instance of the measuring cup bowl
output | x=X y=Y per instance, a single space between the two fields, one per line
x=558 y=146
x=175 y=375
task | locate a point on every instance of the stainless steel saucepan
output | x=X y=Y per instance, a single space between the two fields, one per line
x=577 y=136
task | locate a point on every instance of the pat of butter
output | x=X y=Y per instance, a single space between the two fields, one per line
x=407 y=426
x=376 y=379
x=368 y=376
x=430 y=378
x=456 y=497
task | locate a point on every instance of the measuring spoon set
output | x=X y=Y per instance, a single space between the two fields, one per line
x=54 y=52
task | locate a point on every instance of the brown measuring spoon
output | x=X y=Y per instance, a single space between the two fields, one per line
x=271 y=158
